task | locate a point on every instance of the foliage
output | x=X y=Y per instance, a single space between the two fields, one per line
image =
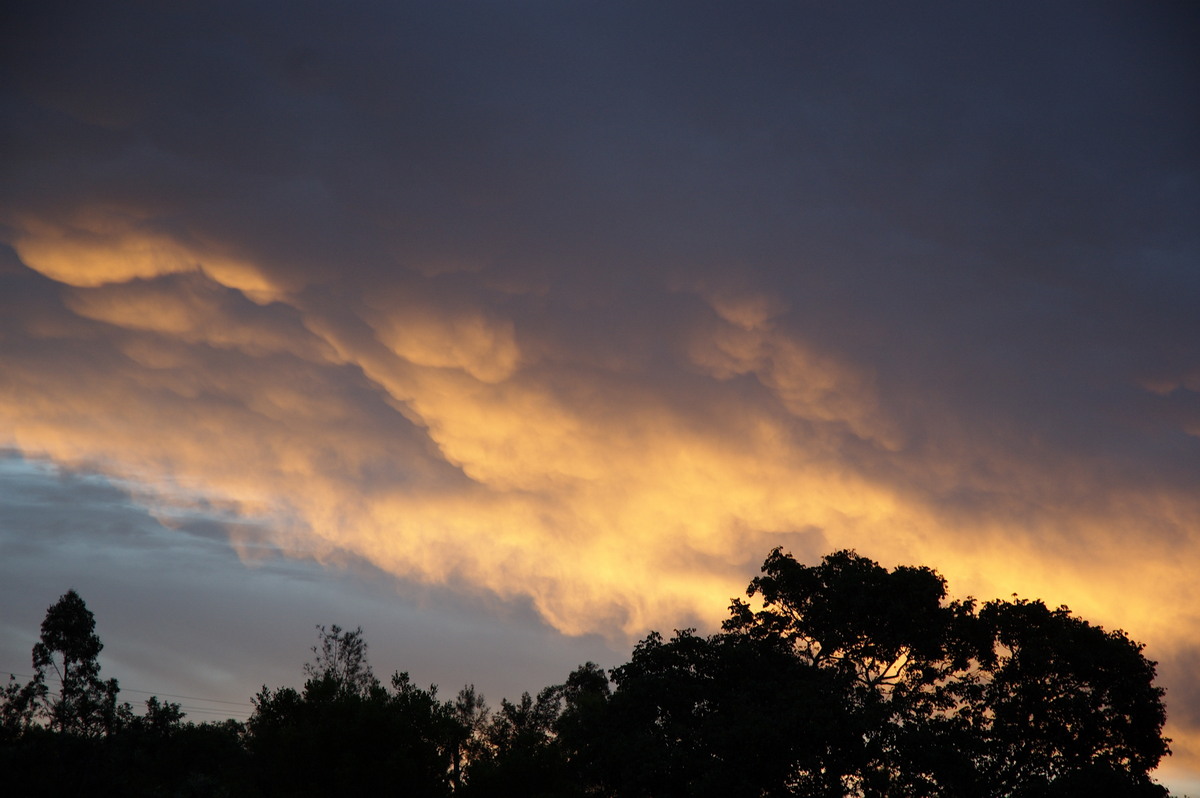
x=1064 y=700
x=19 y=706
x=341 y=658
x=1006 y=700
x=327 y=740
x=724 y=715
x=69 y=647
x=520 y=754
x=841 y=678
x=81 y=741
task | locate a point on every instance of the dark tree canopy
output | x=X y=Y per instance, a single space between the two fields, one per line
x=847 y=679
x=326 y=740
x=78 y=740
x=1009 y=699
x=832 y=680
x=1064 y=699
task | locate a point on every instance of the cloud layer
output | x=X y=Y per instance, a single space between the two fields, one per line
x=591 y=306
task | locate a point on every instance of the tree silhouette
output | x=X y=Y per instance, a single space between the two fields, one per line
x=69 y=648
x=19 y=704
x=338 y=737
x=724 y=715
x=341 y=657
x=1065 y=701
x=519 y=753
x=841 y=678
x=78 y=740
x=1001 y=702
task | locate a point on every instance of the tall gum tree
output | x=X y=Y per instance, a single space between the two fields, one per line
x=68 y=652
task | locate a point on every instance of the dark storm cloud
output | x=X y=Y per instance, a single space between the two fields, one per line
x=534 y=298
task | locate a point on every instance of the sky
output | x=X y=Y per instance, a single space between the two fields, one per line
x=510 y=331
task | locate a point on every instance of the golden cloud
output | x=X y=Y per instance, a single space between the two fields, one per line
x=99 y=246
x=196 y=310
x=410 y=429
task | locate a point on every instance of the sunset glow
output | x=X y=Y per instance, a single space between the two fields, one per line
x=601 y=356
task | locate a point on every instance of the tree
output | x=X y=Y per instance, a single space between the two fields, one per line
x=19 y=706
x=58 y=728
x=158 y=753
x=465 y=732
x=1066 y=703
x=519 y=754
x=837 y=679
x=341 y=656
x=346 y=733
x=1012 y=700
x=895 y=643
x=582 y=729
x=725 y=715
x=161 y=719
x=69 y=648
x=881 y=628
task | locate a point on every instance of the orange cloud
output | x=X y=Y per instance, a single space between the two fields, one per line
x=412 y=429
x=431 y=451
x=100 y=246
x=196 y=310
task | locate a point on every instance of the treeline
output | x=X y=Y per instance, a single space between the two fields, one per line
x=840 y=679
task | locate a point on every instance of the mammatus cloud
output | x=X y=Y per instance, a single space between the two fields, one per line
x=442 y=443
x=616 y=498
x=555 y=309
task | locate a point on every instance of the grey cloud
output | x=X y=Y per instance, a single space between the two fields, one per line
x=989 y=206
x=975 y=226
x=965 y=170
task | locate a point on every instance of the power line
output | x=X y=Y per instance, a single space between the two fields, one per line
x=188 y=697
x=220 y=714
x=209 y=710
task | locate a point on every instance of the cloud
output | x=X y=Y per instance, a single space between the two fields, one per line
x=104 y=248
x=574 y=484
x=547 y=308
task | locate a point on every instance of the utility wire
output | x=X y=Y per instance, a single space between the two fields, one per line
x=188 y=697
x=209 y=710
